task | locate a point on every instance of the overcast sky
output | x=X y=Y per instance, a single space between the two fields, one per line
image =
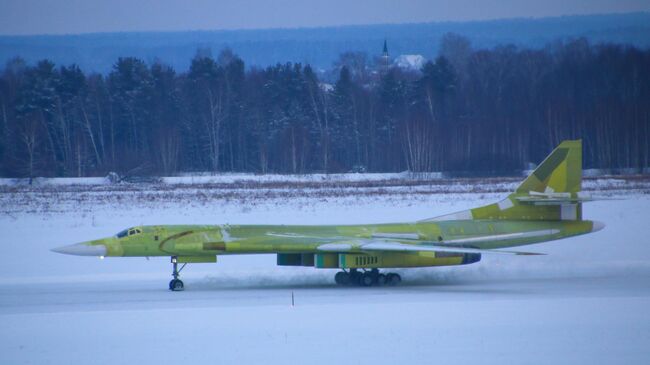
x=85 y=16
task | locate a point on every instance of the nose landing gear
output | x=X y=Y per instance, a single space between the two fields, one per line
x=366 y=278
x=176 y=284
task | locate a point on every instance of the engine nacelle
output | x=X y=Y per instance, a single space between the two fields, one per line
x=295 y=259
x=417 y=259
x=378 y=260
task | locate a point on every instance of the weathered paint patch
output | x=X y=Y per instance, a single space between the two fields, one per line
x=326 y=260
x=569 y=212
x=464 y=215
x=214 y=246
x=505 y=204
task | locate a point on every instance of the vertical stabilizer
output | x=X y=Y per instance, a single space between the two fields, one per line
x=560 y=172
x=550 y=192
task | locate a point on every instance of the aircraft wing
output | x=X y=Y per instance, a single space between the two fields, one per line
x=404 y=247
x=389 y=242
x=393 y=246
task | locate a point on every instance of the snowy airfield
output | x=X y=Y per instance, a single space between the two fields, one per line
x=587 y=301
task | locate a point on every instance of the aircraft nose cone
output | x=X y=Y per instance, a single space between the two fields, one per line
x=597 y=226
x=82 y=249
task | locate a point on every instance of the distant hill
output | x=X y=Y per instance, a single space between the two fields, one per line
x=319 y=46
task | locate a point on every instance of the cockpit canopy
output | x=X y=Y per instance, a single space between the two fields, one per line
x=129 y=232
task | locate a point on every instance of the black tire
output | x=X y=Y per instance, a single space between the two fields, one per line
x=176 y=285
x=366 y=279
x=381 y=279
x=355 y=277
x=393 y=279
x=342 y=278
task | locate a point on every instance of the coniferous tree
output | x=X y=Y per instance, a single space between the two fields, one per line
x=468 y=110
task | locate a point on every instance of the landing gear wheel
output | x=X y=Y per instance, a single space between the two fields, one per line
x=355 y=277
x=366 y=279
x=176 y=285
x=381 y=279
x=342 y=278
x=393 y=279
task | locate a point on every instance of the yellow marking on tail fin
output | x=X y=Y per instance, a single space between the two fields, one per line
x=560 y=172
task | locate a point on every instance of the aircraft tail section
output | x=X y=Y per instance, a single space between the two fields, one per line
x=550 y=192
x=560 y=172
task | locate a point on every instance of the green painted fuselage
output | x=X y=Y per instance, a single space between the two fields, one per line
x=193 y=243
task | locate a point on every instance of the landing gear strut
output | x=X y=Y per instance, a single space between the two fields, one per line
x=176 y=284
x=366 y=278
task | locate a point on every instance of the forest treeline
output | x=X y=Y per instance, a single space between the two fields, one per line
x=468 y=110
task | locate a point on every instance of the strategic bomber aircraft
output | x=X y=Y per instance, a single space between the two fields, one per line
x=546 y=206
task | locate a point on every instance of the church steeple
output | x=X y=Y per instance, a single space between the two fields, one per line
x=385 y=60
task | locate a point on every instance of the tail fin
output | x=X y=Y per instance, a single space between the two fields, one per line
x=560 y=172
x=550 y=192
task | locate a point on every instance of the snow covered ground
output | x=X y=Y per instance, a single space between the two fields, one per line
x=585 y=302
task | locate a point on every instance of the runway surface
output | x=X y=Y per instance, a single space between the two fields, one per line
x=561 y=319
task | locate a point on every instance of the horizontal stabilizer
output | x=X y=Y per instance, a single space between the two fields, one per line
x=551 y=201
x=536 y=198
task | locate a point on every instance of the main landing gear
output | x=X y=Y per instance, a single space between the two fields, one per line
x=176 y=284
x=366 y=278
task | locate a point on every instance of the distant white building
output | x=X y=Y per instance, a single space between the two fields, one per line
x=326 y=87
x=410 y=62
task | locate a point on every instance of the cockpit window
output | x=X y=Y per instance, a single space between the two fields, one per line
x=129 y=232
